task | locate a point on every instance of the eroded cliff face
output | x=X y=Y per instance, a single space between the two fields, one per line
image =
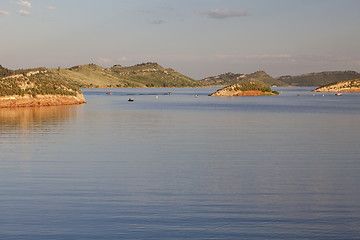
x=40 y=100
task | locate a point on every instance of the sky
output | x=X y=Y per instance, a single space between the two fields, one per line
x=198 y=38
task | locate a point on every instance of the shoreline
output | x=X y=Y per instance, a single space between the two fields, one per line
x=16 y=101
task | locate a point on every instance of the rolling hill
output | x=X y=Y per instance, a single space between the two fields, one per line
x=141 y=75
x=231 y=78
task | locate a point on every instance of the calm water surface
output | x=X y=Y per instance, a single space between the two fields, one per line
x=182 y=167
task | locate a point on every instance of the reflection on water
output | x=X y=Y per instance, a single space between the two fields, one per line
x=27 y=131
x=35 y=119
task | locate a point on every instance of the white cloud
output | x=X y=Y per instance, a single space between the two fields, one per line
x=222 y=13
x=51 y=8
x=122 y=59
x=4 y=12
x=24 y=12
x=23 y=3
x=104 y=60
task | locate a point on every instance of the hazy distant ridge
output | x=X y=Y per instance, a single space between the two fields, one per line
x=319 y=79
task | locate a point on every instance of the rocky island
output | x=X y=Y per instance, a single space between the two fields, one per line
x=39 y=87
x=342 y=86
x=245 y=89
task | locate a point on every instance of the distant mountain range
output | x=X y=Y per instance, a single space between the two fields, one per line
x=310 y=79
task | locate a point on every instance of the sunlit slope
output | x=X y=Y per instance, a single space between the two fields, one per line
x=141 y=75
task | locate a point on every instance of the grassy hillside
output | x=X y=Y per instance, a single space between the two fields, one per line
x=341 y=86
x=262 y=77
x=231 y=78
x=141 y=75
x=319 y=79
x=92 y=76
x=222 y=79
x=37 y=82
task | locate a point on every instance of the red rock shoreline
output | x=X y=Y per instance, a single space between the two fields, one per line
x=40 y=100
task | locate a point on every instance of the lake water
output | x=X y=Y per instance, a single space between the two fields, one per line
x=182 y=167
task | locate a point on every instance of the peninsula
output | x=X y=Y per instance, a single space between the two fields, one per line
x=341 y=86
x=37 y=87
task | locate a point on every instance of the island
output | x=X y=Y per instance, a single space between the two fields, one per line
x=341 y=86
x=245 y=89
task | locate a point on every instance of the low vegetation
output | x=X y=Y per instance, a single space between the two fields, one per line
x=231 y=78
x=141 y=75
x=41 y=83
x=341 y=86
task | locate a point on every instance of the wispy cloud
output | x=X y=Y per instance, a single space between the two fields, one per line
x=23 y=3
x=222 y=13
x=51 y=8
x=122 y=59
x=160 y=21
x=4 y=12
x=104 y=60
x=24 y=12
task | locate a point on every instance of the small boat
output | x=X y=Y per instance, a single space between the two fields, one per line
x=109 y=93
x=169 y=93
x=338 y=94
x=131 y=100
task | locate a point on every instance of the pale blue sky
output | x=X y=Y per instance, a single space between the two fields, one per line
x=198 y=38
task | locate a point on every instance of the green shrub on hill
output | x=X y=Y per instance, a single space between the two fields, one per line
x=252 y=86
x=41 y=84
